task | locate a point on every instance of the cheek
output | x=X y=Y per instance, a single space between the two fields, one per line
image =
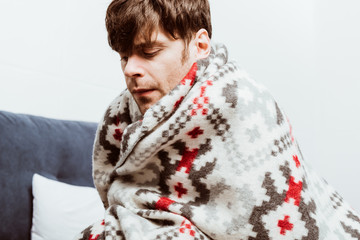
x=170 y=71
x=176 y=74
x=129 y=83
x=122 y=65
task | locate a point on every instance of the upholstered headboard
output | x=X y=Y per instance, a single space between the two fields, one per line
x=56 y=149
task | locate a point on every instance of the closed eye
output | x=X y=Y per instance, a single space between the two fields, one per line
x=124 y=59
x=150 y=53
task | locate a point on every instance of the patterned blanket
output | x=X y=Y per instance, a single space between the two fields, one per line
x=213 y=159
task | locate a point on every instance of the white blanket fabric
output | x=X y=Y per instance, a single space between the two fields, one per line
x=214 y=159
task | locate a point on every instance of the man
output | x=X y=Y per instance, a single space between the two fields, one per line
x=193 y=148
x=155 y=56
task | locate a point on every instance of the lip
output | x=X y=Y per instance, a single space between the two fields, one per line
x=142 y=91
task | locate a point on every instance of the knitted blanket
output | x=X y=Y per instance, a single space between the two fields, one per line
x=213 y=159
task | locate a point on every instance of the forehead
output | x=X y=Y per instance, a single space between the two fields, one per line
x=157 y=38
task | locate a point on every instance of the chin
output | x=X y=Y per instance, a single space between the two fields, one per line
x=145 y=107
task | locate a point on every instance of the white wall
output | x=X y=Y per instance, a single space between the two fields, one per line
x=54 y=59
x=55 y=62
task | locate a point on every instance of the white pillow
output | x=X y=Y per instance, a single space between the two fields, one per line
x=61 y=211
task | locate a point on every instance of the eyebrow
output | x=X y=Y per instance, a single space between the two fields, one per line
x=149 y=45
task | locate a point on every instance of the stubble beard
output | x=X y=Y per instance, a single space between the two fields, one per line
x=143 y=101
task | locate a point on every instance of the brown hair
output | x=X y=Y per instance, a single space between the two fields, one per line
x=129 y=19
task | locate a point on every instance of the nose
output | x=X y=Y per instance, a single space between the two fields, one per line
x=134 y=66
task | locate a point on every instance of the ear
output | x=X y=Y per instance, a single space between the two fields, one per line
x=202 y=44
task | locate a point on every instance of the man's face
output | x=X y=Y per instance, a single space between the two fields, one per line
x=152 y=71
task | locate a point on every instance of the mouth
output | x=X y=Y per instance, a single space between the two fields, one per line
x=141 y=92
